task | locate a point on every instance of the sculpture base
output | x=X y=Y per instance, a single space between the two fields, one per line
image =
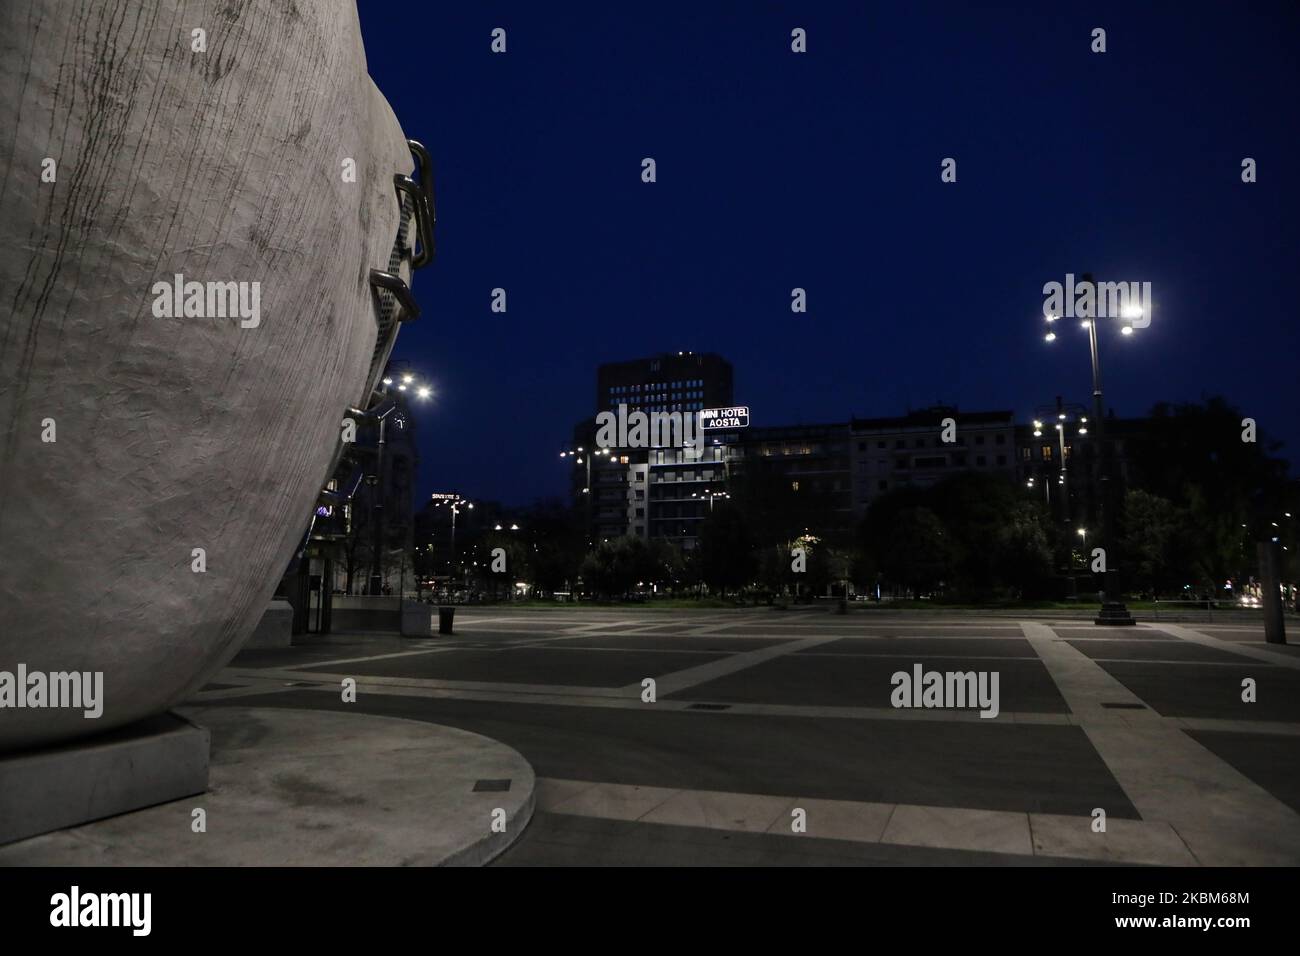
x=417 y=619
x=159 y=759
x=1114 y=613
x=318 y=787
x=275 y=629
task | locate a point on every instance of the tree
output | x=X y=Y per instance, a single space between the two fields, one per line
x=615 y=567
x=907 y=542
x=974 y=532
x=727 y=555
x=1156 y=534
x=775 y=511
x=1022 y=552
x=557 y=544
x=1194 y=457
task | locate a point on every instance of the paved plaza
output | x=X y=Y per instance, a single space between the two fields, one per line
x=772 y=739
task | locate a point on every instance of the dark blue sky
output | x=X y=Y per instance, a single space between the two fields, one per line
x=821 y=170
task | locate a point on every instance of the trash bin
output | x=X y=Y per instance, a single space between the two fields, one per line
x=445 y=616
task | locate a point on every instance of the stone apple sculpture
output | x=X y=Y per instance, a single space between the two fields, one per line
x=204 y=209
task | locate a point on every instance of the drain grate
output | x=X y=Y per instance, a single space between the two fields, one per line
x=492 y=786
x=709 y=707
x=1115 y=705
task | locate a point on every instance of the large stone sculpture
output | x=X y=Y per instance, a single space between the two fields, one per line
x=194 y=197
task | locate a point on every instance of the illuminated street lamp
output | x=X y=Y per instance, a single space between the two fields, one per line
x=1113 y=610
x=710 y=495
x=380 y=411
x=584 y=459
x=454 y=503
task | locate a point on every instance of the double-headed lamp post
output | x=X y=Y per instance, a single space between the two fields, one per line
x=454 y=503
x=1062 y=414
x=711 y=495
x=1113 y=610
x=407 y=384
x=583 y=457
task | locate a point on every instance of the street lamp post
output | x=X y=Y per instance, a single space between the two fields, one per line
x=583 y=457
x=453 y=501
x=1113 y=609
x=1063 y=413
x=710 y=495
x=376 y=481
x=376 y=509
x=1047 y=489
x=455 y=510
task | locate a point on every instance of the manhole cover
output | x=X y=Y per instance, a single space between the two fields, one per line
x=709 y=707
x=1115 y=705
x=491 y=786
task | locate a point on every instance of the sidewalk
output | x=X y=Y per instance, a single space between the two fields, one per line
x=300 y=788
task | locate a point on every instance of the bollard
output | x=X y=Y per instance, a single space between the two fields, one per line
x=445 y=617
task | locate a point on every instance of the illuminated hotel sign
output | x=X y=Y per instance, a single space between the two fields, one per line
x=712 y=419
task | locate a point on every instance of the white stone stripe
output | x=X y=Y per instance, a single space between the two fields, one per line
x=865 y=628
x=249 y=690
x=425 y=683
x=948 y=828
x=1225 y=818
x=703 y=673
x=376 y=657
x=1277 y=658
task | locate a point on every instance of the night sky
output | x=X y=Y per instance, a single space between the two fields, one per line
x=822 y=170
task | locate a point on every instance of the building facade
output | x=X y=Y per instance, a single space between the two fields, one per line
x=626 y=491
x=910 y=450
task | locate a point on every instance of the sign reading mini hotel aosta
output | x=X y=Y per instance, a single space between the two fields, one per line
x=715 y=418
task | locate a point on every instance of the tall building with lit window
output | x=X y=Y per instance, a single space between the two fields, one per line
x=674 y=381
x=614 y=486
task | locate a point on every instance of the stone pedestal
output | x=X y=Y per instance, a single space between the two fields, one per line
x=1115 y=614
x=153 y=761
x=275 y=629
x=417 y=619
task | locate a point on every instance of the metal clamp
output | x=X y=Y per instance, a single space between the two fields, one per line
x=400 y=291
x=421 y=195
x=424 y=227
x=426 y=172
